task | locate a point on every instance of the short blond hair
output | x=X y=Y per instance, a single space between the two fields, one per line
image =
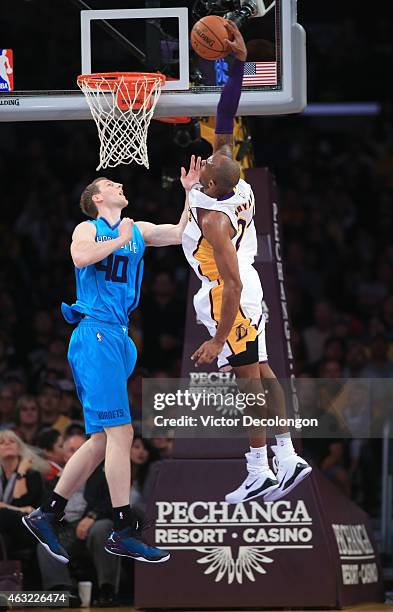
x=86 y=202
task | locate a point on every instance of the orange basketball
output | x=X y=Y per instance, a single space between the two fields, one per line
x=207 y=37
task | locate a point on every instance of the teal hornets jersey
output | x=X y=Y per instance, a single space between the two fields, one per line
x=109 y=290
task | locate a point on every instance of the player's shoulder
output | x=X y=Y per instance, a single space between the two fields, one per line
x=197 y=196
x=214 y=222
x=141 y=228
x=212 y=217
x=243 y=186
x=85 y=229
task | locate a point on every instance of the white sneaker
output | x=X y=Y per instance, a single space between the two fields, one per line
x=260 y=481
x=290 y=470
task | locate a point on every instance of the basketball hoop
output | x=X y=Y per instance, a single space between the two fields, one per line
x=122 y=105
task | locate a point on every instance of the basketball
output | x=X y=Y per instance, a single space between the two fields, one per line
x=208 y=36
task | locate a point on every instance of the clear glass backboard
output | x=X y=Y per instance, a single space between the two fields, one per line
x=71 y=37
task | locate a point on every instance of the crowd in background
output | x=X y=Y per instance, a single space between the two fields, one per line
x=335 y=178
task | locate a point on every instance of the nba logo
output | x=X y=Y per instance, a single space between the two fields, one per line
x=6 y=70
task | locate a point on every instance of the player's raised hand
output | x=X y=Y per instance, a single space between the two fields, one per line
x=191 y=178
x=235 y=41
x=207 y=352
x=125 y=229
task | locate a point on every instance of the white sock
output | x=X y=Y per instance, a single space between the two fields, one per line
x=284 y=444
x=259 y=454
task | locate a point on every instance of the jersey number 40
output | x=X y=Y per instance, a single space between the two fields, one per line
x=115 y=268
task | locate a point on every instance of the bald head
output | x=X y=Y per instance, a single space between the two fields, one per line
x=223 y=171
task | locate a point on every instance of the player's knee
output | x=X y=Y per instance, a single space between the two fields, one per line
x=120 y=434
x=266 y=371
x=98 y=442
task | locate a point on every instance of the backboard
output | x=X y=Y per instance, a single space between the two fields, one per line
x=77 y=37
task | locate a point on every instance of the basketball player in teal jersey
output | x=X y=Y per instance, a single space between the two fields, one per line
x=108 y=256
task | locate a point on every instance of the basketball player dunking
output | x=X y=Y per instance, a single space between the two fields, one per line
x=108 y=255
x=220 y=244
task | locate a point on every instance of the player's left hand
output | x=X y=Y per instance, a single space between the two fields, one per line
x=191 y=178
x=235 y=41
x=207 y=352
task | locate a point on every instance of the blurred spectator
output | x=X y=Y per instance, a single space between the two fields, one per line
x=356 y=360
x=7 y=407
x=134 y=387
x=163 y=446
x=42 y=331
x=50 y=404
x=163 y=314
x=84 y=530
x=21 y=489
x=71 y=444
x=330 y=368
x=69 y=403
x=6 y=359
x=334 y=350
x=328 y=446
x=142 y=455
x=57 y=357
x=378 y=365
x=333 y=463
x=16 y=381
x=75 y=428
x=316 y=335
x=50 y=441
x=21 y=469
x=27 y=419
x=387 y=317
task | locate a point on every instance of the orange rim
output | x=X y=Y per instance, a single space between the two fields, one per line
x=124 y=84
x=116 y=77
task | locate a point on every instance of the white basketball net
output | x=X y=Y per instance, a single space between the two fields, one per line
x=122 y=131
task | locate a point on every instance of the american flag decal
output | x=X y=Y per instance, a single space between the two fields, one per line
x=260 y=73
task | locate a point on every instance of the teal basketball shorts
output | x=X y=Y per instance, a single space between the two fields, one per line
x=102 y=357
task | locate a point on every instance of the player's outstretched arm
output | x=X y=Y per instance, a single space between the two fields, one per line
x=168 y=234
x=86 y=251
x=230 y=95
x=217 y=230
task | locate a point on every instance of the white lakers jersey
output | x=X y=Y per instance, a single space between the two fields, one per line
x=240 y=208
x=249 y=321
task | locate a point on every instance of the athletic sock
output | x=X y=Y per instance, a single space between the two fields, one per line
x=258 y=455
x=55 y=504
x=122 y=517
x=284 y=444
